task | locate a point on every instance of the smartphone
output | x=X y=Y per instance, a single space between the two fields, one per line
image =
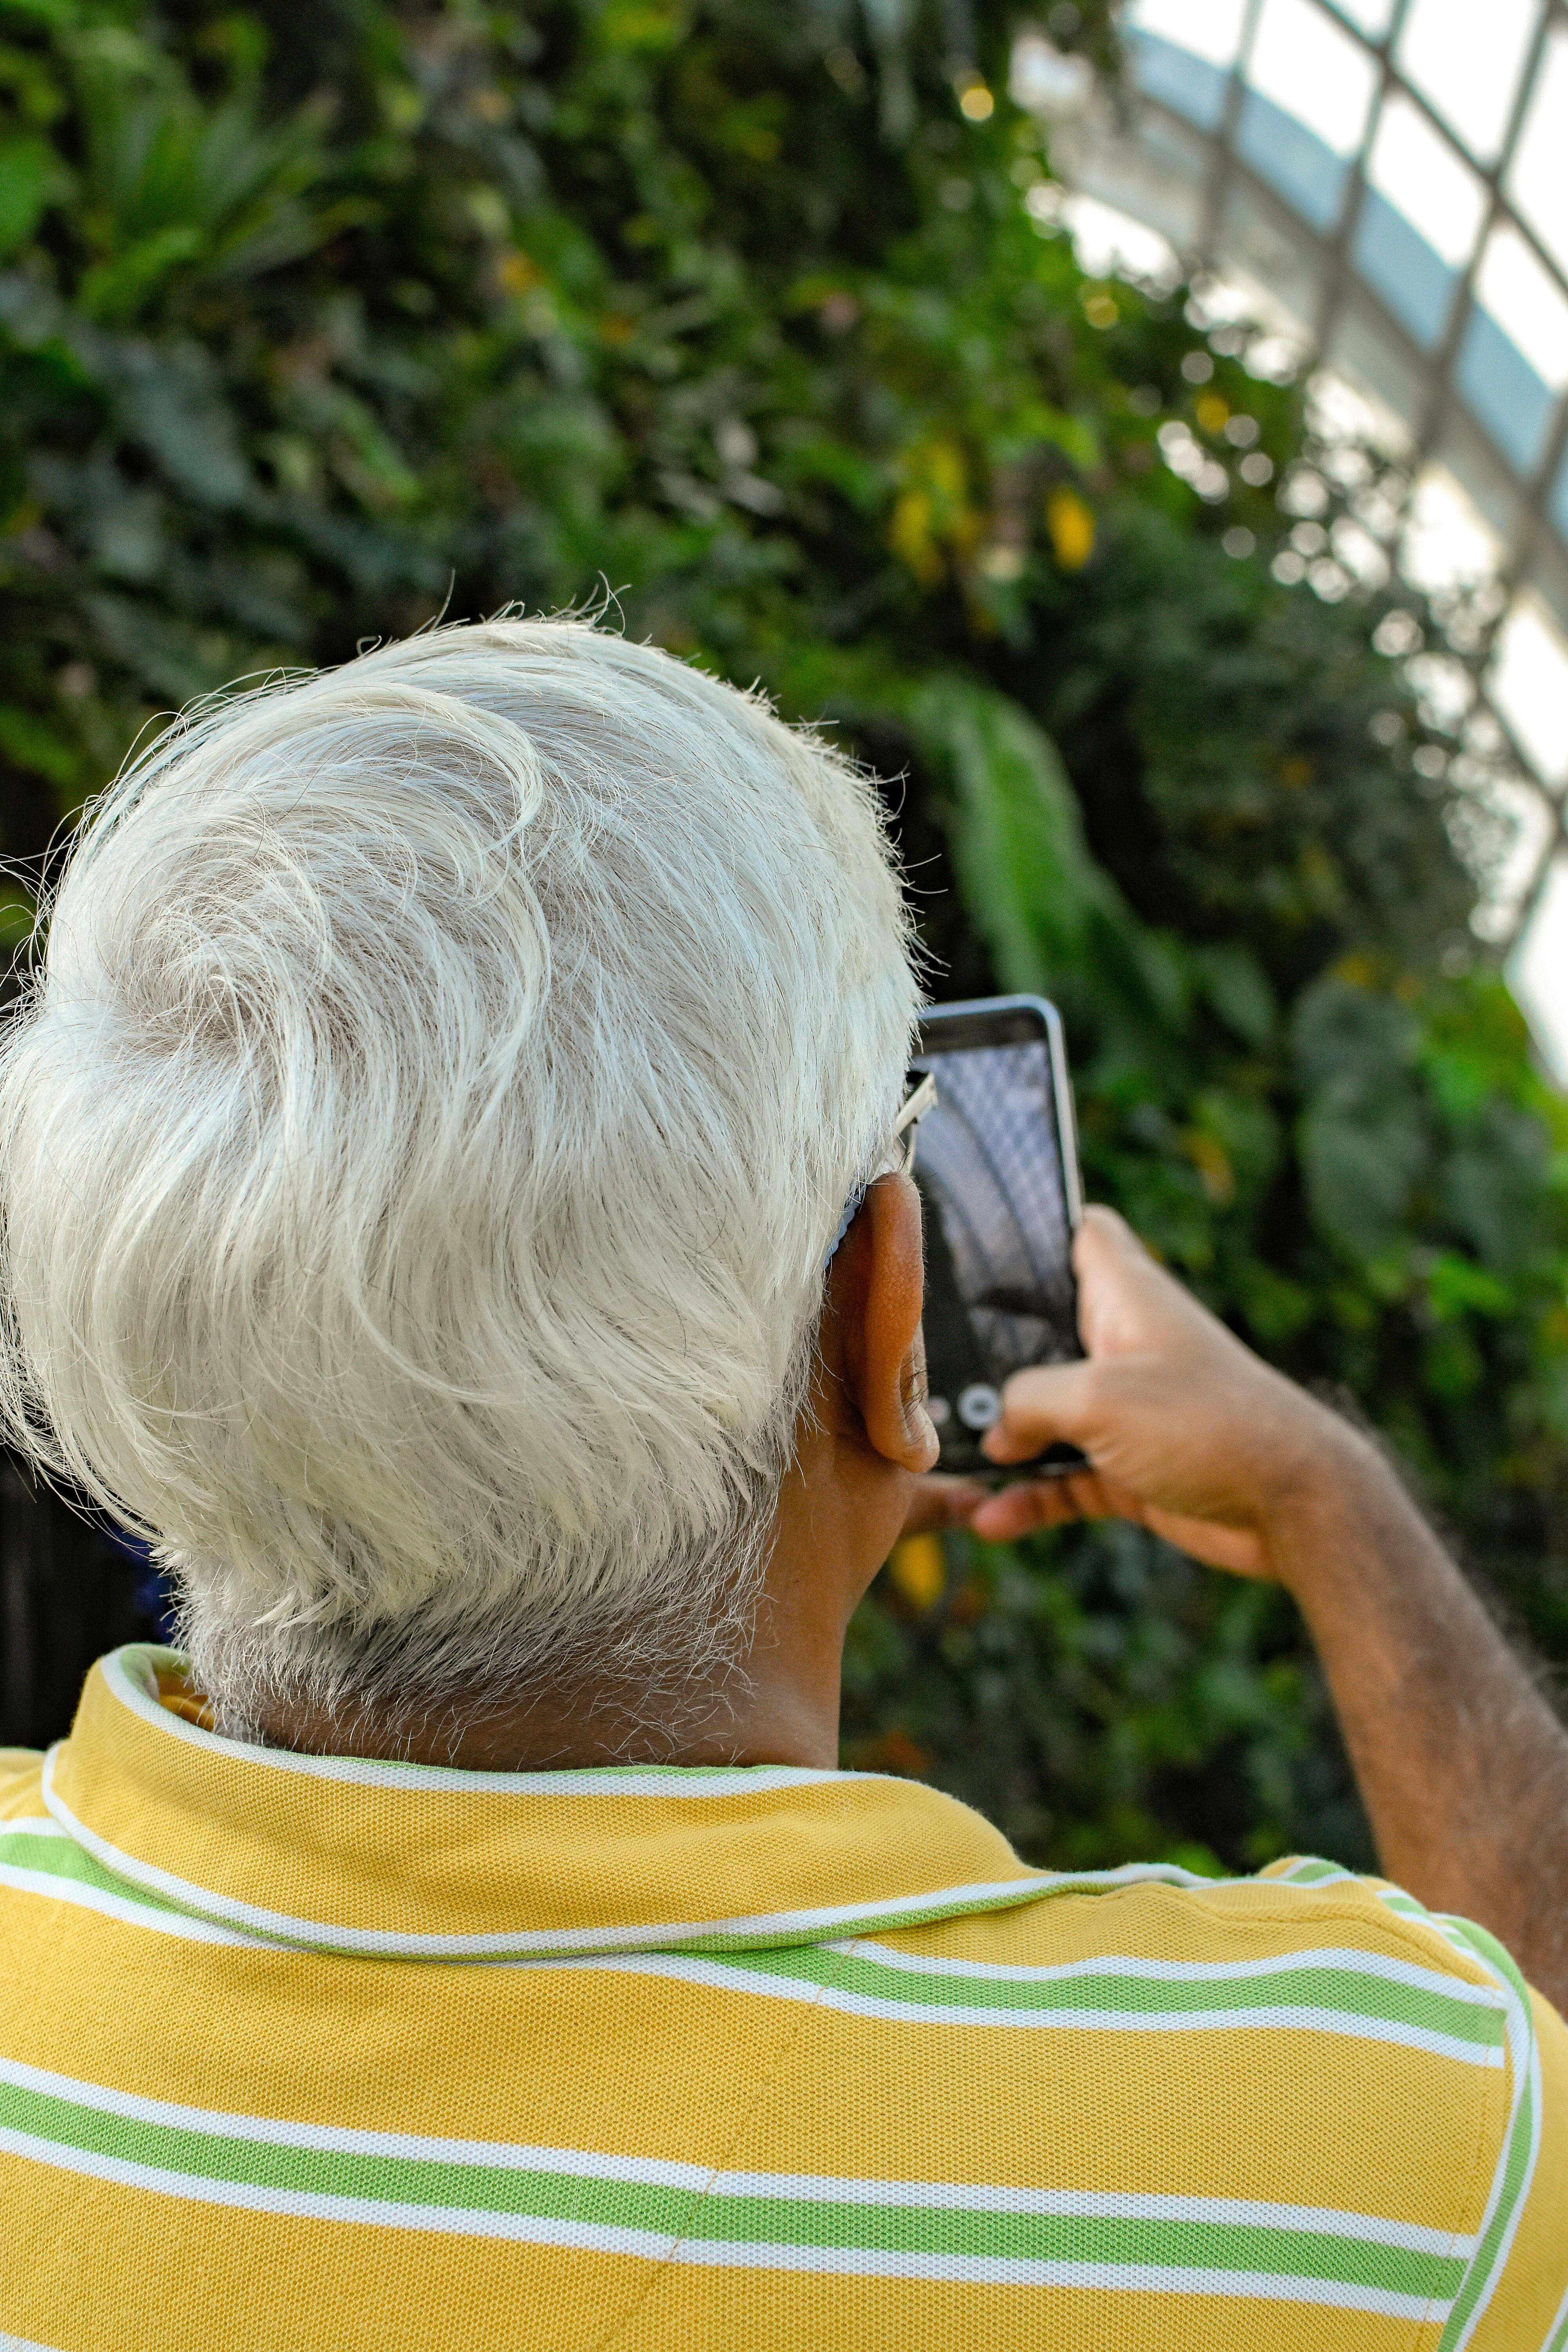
x=996 y=1165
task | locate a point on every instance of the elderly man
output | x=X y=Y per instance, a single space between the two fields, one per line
x=421 y=1155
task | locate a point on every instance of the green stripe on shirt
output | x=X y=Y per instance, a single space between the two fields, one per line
x=946 y=2223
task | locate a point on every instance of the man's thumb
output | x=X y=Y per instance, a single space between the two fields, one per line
x=1047 y=1403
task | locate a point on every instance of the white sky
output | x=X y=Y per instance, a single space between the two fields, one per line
x=1512 y=284
x=1529 y=684
x=1538 y=176
x=1209 y=29
x=1464 y=56
x=1538 y=971
x=1307 y=65
x=1447 y=543
x=1533 y=824
x=1109 y=244
x=1418 y=171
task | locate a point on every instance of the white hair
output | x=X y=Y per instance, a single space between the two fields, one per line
x=419 y=1152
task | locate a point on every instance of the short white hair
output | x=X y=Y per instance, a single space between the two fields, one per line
x=420 y=1148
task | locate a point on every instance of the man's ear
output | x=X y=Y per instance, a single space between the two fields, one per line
x=877 y=1294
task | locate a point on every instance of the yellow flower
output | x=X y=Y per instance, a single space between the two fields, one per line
x=910 y=532
x=1071 y=526
x=918 y=1568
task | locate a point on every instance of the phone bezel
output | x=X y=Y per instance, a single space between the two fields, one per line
x=975 y=1022
x=981 y=1021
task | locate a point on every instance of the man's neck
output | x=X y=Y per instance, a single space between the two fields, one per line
x=748 y=1720
x=838 y=1512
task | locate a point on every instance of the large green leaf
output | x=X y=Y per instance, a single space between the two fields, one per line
x=32 y=176
x=1053 y=919
x=1017 y=833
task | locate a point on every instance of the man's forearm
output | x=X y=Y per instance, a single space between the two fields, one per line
x=1462 y=1764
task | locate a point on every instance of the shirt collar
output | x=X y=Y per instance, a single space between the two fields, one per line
x=410 y=1860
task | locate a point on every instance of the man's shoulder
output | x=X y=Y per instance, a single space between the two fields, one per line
x=1299 y=1911
x=1348 y=1972
x=21 y=1774
x=1351 y=2044
x=1303 y=2051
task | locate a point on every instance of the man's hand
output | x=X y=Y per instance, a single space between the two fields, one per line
x=1187 y=1431
x=939 y=1502
x=1463 y=1766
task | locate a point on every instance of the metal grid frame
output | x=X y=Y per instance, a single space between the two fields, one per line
x=1334 y=254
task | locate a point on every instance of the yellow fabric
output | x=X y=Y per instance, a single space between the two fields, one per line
x=1541 y=2250
x=233 y=2063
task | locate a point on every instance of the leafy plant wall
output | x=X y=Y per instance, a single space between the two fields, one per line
x=315 y=322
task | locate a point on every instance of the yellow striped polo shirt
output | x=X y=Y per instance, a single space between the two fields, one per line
x=316 y=2054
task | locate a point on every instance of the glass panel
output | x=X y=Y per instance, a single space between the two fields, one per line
x=1414 y=176
x=1417 y=168
x=1364 y=347
x=1527 y=304
x=1549 y=578
x=1110 y=243
x=1272 y=255
x=1514 y=358
x=1207 y=28
x=1492 y=488
x=1557 y=500
x=1293 y=159
x=1307 y=67
x=1188 y=86
x=1528 y=686
x=1467 y=62
x=1448 y=544
x=1537 y=179
x=1538 y=969
x=1501 y=828
x=1182 y=52
x=1307 y=109
x=1156 y=173
x=1399 y=264
x=1372 y=16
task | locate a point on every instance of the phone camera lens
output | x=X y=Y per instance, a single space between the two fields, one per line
x=940 y=1411
x=978 y=1406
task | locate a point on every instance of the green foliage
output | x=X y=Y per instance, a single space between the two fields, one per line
x=313 y=324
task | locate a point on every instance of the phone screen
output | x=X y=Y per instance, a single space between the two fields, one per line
x=998 y=1184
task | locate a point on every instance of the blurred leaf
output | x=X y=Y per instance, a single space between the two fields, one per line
x=1236 y=986
x=29 y=744
x=1457 y=1285
x=1363 y=1135
x=1017 y=839
x=32 y=176
x=118 y=289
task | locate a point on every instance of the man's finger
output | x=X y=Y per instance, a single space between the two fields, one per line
x=1103 y=1231
x=1020 y=1511
x=939 y=1501
x=1039 y=1407
x=1046 y=1503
